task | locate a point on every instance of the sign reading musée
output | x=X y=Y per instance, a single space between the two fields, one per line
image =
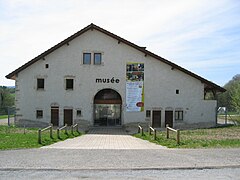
x=134 y=86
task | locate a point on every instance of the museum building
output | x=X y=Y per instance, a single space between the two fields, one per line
x=96 y=78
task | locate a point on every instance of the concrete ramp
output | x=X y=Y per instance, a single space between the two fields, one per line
x=105 y=138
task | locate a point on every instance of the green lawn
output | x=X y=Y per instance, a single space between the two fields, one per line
x=14 y=138
x=225 y=137
x=5 y=116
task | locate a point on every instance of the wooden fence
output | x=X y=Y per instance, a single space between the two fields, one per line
x=50 y=128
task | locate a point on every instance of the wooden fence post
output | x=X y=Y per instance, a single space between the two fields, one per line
x=77 y=128
x=72 y=129
x=39 y=136
x=149 y=131
x=167 y=131
x=66 y=129
x=178 y=136
x=58 y=135
x=155 y=134
x=51 y=131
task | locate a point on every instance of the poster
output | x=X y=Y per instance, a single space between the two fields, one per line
x=135 y=87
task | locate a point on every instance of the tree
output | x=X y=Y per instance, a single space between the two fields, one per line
x=7 y=98
x=235 y=96
x=231 y=97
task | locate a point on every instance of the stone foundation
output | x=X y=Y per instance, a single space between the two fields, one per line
x=30 y=123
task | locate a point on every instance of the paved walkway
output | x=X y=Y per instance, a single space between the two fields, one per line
x=105 y=138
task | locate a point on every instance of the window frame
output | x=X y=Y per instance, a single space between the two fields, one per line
x=94 y=58
x=179 y=115
x=67 y=84
x=40 y=85
x=79 y=113
x=84 y=60
x=148 y=114
x=39 y=114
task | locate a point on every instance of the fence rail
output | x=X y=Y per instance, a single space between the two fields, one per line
x=151 y=129
x=62 y=128
x=50 y=128
x=140 y=129
x=174 y=130
x=74 y=126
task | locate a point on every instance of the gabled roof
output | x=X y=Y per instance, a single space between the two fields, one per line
x=208 y=84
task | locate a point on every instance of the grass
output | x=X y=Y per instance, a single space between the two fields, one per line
x=224 y=137
x=14 y=138
x=5 y=116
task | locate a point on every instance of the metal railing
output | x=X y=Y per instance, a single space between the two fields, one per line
x=50 y=128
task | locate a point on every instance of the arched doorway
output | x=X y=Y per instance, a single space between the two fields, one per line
x=107 y=108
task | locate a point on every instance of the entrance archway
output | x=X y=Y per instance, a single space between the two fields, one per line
x=107 y=108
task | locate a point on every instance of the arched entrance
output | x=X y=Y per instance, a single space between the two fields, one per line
x=107 y=108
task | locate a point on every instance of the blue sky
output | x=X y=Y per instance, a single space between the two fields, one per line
x=202 y=36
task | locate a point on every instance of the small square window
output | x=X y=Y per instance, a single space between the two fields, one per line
x=178 y=115
x=86 y=58
x=177 y=91
x=79 y=113
x=97 y=58
x=39 y=114
x=69 y=84
x=46 y=66
x=148 y=113
x=40 y=83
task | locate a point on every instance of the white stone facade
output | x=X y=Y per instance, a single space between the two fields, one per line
x=166 y=88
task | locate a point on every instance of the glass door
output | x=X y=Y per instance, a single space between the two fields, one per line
x=107 y=114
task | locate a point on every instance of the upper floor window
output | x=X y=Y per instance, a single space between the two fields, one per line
x=97 y=58
x=40 y=83
x=69 y=84
x=86 y=58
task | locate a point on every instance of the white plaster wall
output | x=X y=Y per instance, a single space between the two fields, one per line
x=160 y=82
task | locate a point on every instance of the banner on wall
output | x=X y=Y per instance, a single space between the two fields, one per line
x=135 y=87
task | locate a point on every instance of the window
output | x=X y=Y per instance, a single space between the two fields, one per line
x=46 y=66
x=69 y=84
x=177 y=91
x=148 y=113
x=86 y=58
x=178 y=115
x=40 y=83
x=97 y=58
x=79 y=113
x=39 y=114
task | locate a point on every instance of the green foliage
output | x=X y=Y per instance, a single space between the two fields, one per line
x=201 y=138
x=7 y=98
x=14 y=138
x=231 y=98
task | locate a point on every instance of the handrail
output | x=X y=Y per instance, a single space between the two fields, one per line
x=140 y=129
x=151 y=129
x=174 y=130
x=41 y=130
x=74 y=126
x=59 y=129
